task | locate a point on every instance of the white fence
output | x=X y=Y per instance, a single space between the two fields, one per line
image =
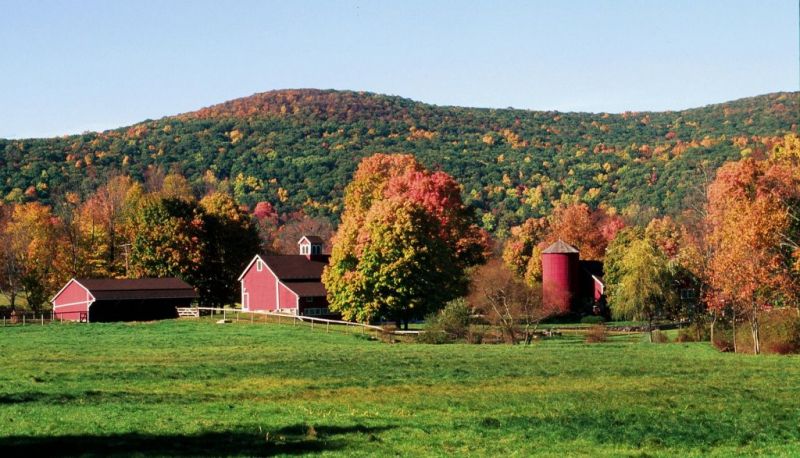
x=255 y=315
x=42 y=318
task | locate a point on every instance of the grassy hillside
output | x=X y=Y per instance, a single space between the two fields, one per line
x=189 y=388
x=298 y=149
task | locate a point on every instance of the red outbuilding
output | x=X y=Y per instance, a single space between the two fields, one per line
x=569 y=284
x=287 y=283
x=109 y=299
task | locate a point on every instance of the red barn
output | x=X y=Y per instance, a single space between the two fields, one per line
x=569 y=284
x=109 y=299
x=287 y=283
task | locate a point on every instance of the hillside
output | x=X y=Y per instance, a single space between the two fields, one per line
x=298 y=148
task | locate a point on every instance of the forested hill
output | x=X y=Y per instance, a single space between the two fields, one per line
x=298 y=148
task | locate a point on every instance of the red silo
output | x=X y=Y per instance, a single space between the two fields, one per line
x=560 y=281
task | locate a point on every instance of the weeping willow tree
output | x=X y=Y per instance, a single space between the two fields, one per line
x=644 y=290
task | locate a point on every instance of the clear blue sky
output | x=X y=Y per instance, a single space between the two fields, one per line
x=72 y=66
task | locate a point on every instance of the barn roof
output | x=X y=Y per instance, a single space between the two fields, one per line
x=593 y=268
x=312 y=238
x=297 y=266
x=139 y=288
x=307 y=288
x=560 y=247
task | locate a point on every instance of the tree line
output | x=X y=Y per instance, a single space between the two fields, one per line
x=131 y=229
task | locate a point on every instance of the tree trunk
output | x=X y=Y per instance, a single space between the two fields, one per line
x=754 y=330
x=734 y=331
x=713 y=326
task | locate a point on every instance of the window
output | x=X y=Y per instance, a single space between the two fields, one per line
x=315 y=311
x=304 y=248
x=259 y=266
x=687 y=293
x=315 y=249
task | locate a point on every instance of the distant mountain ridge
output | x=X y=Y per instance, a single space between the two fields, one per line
x=297 y=149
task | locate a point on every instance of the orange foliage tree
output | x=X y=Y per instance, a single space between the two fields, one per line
x=749 y=208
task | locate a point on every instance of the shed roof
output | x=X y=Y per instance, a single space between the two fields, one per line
x=136 y=289
x=307 y=288
x=297 y=266
x=560 y=247
x=593 y=268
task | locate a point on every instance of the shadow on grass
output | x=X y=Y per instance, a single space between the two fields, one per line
x=291 y=440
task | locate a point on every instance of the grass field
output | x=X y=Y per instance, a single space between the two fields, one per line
x=196 y=388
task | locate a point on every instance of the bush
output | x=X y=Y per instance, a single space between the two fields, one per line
x=660 y=337
x=448 y=325
x=596 y=334
x=696 y=332
x=780 y=331
x=722 y=344
x=433 y=336
x=592 y=319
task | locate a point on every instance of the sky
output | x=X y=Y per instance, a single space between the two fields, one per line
x=72 y=66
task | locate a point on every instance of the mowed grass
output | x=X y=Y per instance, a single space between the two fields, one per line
x=197 y=388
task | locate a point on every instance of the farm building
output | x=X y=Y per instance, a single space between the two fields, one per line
x=108 y=299
x=569 y=284
x=287 y=283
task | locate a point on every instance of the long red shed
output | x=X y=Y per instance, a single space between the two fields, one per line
x=109 y=299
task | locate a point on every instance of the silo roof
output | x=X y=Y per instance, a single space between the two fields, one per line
x=560 y=247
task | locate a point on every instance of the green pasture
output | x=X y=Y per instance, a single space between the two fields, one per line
x=192 y=387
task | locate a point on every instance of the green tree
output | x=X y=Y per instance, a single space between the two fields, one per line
x=405 y=242
x=231 y=240
x=169 y=240
x=644 y=289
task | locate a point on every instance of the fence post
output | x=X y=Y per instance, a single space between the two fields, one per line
x=42 y=318
x=237 y=316
x=294 y=321
x=224 y=314
x=23 y=319
x=251 y=317
x=328 y=326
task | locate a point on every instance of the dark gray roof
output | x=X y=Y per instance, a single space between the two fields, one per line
x=313 y=239
x=297 y=266
x=560 y=247
x=593 y=268
x=139 y=288
x=307 y=288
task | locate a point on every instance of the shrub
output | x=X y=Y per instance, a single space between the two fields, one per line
x=696 y=332
x=660 y=337
x=780 y=331
x=723 y=344
x=433 y=336
x=448 y=325
x=592 y=319
x=474 y=336
x=596 y=334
